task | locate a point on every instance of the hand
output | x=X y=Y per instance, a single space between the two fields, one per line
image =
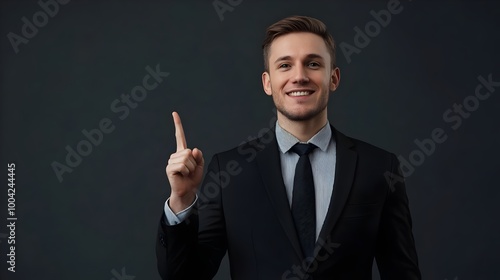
x=184 y=170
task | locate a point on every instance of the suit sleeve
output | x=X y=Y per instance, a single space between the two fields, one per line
x=396 y=254
x=194 y=248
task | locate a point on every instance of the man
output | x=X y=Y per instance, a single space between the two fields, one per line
x=323 y=212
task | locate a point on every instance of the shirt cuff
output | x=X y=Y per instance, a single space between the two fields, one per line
x=171 y=218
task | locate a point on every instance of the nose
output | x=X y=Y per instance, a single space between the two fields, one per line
x=300 y=75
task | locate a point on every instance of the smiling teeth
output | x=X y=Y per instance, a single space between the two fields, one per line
x=299 y=93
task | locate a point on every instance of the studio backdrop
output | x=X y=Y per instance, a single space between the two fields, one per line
x=88 y=87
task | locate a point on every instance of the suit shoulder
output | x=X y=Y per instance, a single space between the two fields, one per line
x=362 y=147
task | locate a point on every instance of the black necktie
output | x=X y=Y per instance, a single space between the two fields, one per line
x=303 y=201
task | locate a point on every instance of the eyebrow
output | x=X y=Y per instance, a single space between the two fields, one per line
x=309 y=56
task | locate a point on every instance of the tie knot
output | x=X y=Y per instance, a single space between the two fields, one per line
x=303 y=149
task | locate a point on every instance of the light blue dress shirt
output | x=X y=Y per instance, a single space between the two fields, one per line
x=323 y=160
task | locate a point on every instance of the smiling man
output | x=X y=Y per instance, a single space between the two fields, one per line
x=311 y=204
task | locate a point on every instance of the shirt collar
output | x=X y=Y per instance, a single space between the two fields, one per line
x=286 y=140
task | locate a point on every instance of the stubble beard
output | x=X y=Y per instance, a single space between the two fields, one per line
x=303 y=116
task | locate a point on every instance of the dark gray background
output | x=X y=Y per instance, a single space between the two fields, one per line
x=103 y=216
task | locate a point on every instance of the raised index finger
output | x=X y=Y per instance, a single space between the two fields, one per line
x=179 y=132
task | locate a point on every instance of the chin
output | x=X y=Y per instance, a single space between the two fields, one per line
x=303 y=116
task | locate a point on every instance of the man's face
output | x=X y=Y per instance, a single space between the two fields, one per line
x=300 y=77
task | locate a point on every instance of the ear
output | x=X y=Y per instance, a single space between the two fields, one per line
x=266 y=83
x=335 y=79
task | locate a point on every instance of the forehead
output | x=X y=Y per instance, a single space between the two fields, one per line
x=298 y=44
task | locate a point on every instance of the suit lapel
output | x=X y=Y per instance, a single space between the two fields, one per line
x=269 y=164
x=345 y=168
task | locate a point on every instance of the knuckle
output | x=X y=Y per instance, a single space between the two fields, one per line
x=174 y=155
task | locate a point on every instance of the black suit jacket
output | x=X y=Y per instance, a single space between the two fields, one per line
x=243 y=209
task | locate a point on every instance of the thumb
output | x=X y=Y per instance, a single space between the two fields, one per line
x=198 y=157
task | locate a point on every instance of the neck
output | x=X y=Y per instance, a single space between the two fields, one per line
x=303 y=130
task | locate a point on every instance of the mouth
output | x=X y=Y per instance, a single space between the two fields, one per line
x=304 y=92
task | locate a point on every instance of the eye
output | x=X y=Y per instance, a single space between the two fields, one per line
x=314 y=64
x=284 y=66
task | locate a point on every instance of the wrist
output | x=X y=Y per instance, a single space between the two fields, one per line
x=179 y=203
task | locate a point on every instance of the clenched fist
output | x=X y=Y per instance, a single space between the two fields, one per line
x=184 y=170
